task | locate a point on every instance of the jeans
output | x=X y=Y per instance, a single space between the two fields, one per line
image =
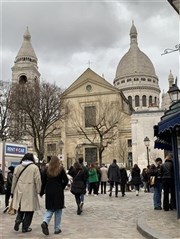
x=82 y=198
x=103 y=187
x=157 y=194
x=116 y=187
x=57 y=218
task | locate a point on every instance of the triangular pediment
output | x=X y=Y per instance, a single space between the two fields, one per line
x=90 y=83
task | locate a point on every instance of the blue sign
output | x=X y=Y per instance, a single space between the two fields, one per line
x=15 y=150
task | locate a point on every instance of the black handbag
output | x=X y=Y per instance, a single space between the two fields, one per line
x=78 y=187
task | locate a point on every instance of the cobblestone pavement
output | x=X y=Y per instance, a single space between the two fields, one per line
x=103 y=218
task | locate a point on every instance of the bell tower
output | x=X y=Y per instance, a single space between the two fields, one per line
x=25 y=69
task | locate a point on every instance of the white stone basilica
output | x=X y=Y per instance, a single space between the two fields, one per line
x=135 y=77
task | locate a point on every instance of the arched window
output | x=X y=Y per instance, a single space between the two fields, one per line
x=144 y=100
x=130 y=99
x=150 y=100
x=22 y=79
x=155 y=101
x=136 y=100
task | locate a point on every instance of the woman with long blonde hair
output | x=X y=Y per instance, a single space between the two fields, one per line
x=54 y=181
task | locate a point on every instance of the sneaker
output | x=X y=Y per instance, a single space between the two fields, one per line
x=158 y=208
x=45 y=229
x=57 y=232
x=110 y=194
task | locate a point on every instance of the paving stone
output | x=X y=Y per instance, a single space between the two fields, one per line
x=103 y=217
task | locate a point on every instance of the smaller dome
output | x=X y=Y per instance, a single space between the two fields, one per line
x=26 y=49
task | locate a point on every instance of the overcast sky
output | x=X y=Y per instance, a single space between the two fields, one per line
x=67 y=34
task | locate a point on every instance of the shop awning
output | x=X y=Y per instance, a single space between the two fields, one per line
x=169 y=123
x=163 y=130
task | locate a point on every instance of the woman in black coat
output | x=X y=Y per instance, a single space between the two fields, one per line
x=136 y=178
x=54 y=181
x=123 y=180
x=78 y=186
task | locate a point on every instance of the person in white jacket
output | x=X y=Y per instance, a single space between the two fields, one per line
x=104 y=178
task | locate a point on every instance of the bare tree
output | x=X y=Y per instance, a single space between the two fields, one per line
x=120 y=150
x=4 y=109
x=38 y=110
x=100 y=126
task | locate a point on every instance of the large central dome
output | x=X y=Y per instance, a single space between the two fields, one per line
x=136 y=76
x=134 y=62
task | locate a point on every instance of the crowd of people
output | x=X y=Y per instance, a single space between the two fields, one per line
x=26 y=181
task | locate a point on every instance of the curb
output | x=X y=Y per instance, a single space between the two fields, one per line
x=147 y=231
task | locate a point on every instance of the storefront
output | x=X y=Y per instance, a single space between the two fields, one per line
x=10 y=155
x=168 y=138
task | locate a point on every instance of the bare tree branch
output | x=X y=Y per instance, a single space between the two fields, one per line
x=42 y=107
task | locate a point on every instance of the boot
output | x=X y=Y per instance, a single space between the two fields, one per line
x=79 y=210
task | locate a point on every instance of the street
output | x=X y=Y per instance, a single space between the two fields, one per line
x=103 y=217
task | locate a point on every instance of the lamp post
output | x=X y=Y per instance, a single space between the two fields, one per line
x=146 y=143
x=174 y=92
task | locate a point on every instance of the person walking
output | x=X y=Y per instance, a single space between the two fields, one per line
x=136 y=178
x=8 y=187
x=93 y=180
x=26 y=186
x=145 y=180
x=123 y=180
x=54 y=181
x=85 y=169
x=104 y=178
x=78 y=186
x=156 y=172
x=167 y=173
x=114 y=177
x=1 y=182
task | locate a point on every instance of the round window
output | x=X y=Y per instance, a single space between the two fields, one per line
x=88 y=87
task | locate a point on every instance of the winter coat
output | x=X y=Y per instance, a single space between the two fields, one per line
x=93 y=176
x=123 y=175
x=77 y=174
x=104 y=174
x=53 y=187
x=1 y=182
x=114 y=173
x=136 y=177
x=167 y=170
x=157 y=173
x=9 y=180
x=79 y=178
x=25 y=191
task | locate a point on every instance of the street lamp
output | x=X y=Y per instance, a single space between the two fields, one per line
x=174 y=92
x=146 y=143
